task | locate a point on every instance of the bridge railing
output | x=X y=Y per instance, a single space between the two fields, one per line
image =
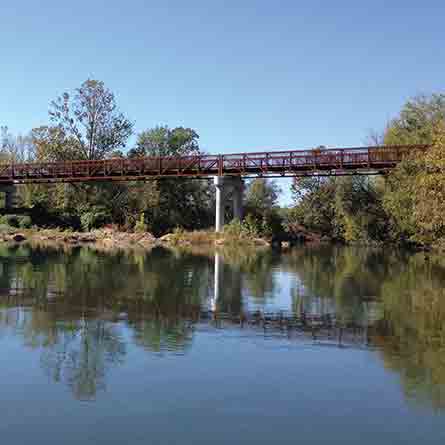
x=261 y=163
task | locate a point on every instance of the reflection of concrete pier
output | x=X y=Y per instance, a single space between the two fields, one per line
x=227 y=288
x=217 y=281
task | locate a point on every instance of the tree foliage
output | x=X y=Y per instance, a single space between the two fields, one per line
x=417 y=121
x=165 y=141
x=406 y=206
x=415 y=190
x=186 y=203
x=262 y=216
x=91 y=121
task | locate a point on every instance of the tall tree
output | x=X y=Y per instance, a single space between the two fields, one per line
x=90 y=117
x=261 y=196
x=417 y=183
x=165 y=141
x=185 y=203
x=86 y=124
x=52 y=144
x=314 y=205
x=417 y=121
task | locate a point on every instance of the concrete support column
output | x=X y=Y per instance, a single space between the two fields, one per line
x=238 y=191
x=223 y=185
x=220 y=203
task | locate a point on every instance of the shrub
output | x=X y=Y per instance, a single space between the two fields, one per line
x=5 y=228
x=22 y=221
x=140 y=225
x=251 y=225
x=25 y=222
x=235 y=229
x=10 y=220
x=177 y=235
x=94 y=218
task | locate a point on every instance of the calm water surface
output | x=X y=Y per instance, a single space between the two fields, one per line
x=317 y=345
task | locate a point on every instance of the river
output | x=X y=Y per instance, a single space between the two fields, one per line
x=314 y=345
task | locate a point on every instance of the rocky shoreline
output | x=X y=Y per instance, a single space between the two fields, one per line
x=109 y=239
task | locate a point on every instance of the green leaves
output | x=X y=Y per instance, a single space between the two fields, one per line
x=415 y=196
x=165 y=141
x=90 y=120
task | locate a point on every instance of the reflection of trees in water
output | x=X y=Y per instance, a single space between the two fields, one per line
x=345 y=275
x=68 y=306
x=68 y=303
x=407 y=296
x=414 y=344
x=246 y=271
x=163 y=335
x=78 y=352
x=81 y=357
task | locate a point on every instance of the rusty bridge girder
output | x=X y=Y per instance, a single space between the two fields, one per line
x=328 y=162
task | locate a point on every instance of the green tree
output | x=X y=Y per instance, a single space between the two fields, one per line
x=53 y=144
x=430 y=185
x=347 y=209
x=262 y=215
x=165 y=141
x=314 y=207
x=185 y=203
x=261 y=196
x=415 y=189
x=84 y=125
x=359 y=212
x=417 y=121
x=91 y=119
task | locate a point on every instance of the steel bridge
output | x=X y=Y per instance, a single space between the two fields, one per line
x=327 y=162
x=228 y=170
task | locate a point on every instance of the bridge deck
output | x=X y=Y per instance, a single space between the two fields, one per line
x=336 y=161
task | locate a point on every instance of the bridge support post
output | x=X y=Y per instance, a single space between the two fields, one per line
x=238 y=190
x=223 y=186
x=220 y=203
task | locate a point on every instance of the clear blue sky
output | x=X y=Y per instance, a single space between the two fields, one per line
x=246 y=75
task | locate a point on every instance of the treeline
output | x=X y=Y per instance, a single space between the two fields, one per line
x=88 y=125
x=407 y=205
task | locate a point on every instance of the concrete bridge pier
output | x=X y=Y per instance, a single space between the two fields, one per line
x=226 y=187
x=237 y=197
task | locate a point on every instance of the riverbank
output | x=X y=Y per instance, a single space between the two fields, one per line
x=109 y=238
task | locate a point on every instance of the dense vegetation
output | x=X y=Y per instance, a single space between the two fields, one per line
x=406 y=206
x=88 y=125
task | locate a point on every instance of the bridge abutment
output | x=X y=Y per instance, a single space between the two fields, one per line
x=228 y=187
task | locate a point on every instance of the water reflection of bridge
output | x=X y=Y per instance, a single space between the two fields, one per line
x=316 y=316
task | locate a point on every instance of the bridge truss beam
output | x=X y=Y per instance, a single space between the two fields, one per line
x=326 y=162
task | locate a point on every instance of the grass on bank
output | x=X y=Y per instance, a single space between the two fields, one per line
x=236 y=232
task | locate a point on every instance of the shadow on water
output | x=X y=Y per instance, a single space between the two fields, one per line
x=83 y=309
